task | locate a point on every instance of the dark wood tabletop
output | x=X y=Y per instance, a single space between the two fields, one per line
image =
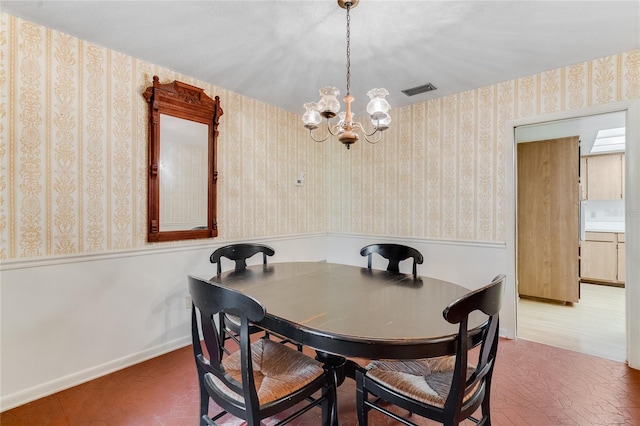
x=352 y=311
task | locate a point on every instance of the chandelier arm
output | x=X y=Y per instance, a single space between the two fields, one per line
x=358 y=125
x=331 y=131
x=366 y=135
x=318 y=140
x=334 y=130
x=373 y=141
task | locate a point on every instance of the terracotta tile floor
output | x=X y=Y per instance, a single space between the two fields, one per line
x=534 y=384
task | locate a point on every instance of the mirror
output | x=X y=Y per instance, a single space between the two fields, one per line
x=183 y=171
x=183 y=130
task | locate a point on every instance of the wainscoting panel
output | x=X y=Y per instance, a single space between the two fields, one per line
x=68 y=320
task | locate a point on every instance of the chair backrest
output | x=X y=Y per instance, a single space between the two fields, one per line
x=240 y=253
x=468 y=391
x=394 y=253
x=210 y=299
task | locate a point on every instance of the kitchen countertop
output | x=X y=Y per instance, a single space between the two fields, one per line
x=617 y=227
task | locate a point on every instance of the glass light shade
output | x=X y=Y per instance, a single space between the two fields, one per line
x=311 y=118
x=382 y=123
x=328 y=101
x=378 y=107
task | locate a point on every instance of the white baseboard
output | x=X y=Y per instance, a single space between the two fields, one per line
x=45 y=389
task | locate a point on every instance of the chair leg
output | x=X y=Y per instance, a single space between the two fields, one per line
x=204 y=395
x=329 y=407
x=206 y=421
x=486 y=405
x=361 y=397
x=330 y=404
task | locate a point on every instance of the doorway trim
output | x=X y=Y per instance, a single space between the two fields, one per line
x=632 y=208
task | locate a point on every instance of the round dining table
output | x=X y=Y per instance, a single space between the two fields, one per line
x=351 y=311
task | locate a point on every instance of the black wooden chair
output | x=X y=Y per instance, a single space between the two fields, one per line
x=239 y=253
x=445 y=389
x=394 y=253
x=229 y=326
x=259 y=380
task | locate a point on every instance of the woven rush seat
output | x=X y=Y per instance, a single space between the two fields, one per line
x=425 y=380
x=277 y=370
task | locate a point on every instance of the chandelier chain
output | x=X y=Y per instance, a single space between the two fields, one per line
x=347 y=130
x=348 y=4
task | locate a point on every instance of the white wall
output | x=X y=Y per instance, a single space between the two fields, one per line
x=68 y=320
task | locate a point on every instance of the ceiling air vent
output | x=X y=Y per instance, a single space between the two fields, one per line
x=420 y=89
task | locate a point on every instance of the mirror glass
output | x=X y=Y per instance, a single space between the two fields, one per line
x=183 y=173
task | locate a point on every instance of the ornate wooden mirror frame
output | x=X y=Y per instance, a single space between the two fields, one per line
x=183 y=123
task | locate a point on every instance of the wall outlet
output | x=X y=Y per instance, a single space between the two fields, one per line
x=299 y=180
x=187 y=301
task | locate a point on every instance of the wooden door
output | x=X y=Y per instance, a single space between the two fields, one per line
x=548 y=219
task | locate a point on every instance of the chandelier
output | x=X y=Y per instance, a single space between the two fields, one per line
x=346 y=129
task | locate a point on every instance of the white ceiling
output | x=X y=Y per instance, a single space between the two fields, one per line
x=281 y=52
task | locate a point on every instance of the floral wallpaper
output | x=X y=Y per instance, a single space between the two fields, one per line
x=439 y=173
x=73 y=153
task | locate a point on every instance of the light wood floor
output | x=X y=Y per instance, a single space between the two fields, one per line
x=595 y=325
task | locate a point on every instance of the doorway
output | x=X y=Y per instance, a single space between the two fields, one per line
x=595 y=324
